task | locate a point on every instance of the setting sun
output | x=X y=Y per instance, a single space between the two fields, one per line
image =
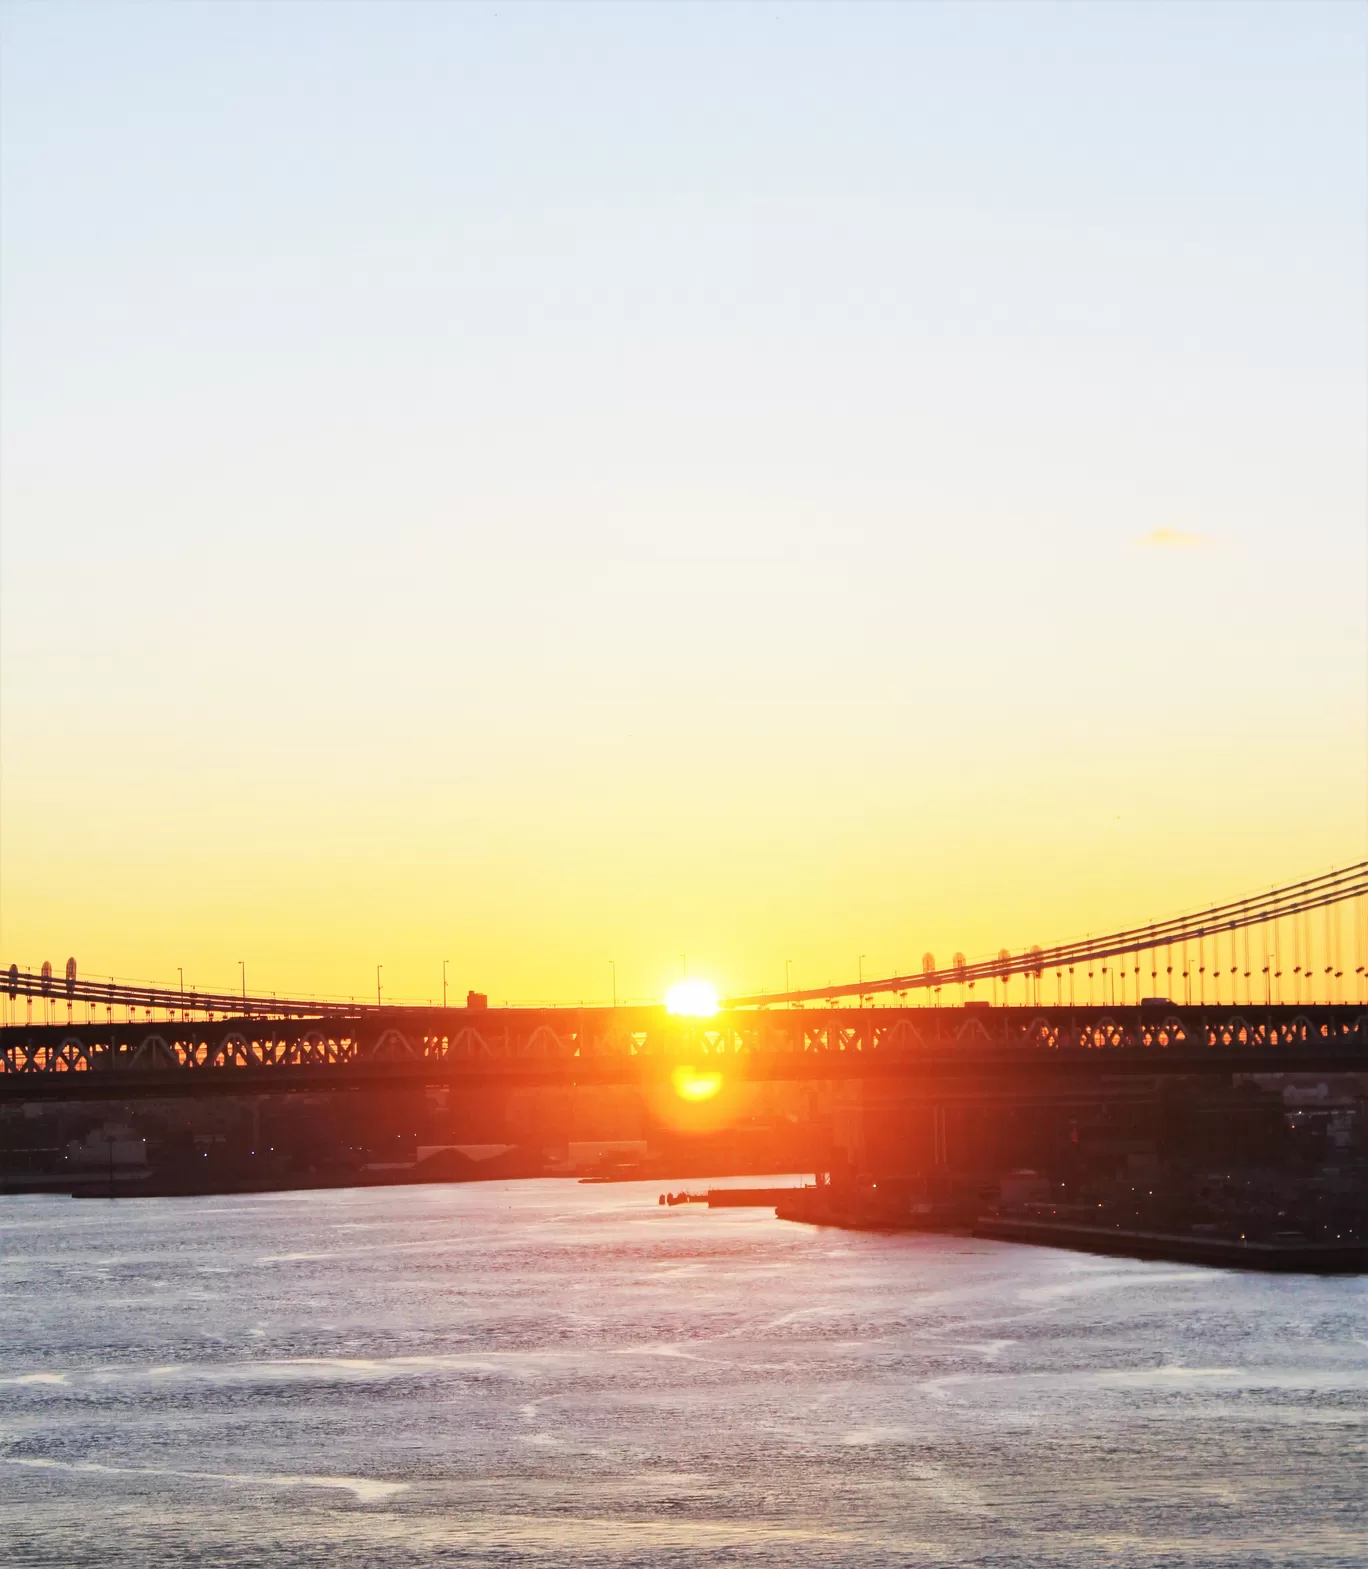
x=692 y=1085
x=692 y=999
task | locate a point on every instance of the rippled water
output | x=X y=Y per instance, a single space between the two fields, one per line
x=544 y=1372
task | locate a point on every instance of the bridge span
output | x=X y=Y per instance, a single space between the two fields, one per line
x=1269 y=983
x=468 y=1048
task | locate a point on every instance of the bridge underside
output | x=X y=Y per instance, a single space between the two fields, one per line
x=157 y=1058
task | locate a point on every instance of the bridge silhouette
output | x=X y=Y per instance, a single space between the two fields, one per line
x=1292 y=1001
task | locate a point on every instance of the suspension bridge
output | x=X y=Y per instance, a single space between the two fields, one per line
x=1272 y=982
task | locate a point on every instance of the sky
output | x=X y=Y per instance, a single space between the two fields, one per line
x=555 y=488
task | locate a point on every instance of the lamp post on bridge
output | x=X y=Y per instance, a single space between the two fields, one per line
x=445 y=962
x=377 y=985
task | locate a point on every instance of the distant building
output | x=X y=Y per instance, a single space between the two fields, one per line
x=115 y=1144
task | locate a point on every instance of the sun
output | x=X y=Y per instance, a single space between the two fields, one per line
x=692 y=999
x=691 y=1085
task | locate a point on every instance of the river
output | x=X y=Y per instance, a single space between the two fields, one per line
x=543 y=1372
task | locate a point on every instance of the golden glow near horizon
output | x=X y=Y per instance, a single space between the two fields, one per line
x=692 y=999
x=692 y=1085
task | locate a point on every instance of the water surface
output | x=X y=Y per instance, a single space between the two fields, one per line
x=541 y=1372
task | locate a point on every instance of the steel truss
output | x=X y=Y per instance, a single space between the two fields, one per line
x=566 y=1046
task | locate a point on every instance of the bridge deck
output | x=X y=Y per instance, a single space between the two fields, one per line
x=160 y=1057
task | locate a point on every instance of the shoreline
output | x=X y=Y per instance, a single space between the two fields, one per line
x=1285 y=1257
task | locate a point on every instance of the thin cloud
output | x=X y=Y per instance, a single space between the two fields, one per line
x=1173 y=539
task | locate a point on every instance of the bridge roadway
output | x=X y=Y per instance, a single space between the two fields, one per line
x=460 y=1048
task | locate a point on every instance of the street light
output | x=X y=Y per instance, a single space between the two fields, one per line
x=377 y=985
x=445 y=962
